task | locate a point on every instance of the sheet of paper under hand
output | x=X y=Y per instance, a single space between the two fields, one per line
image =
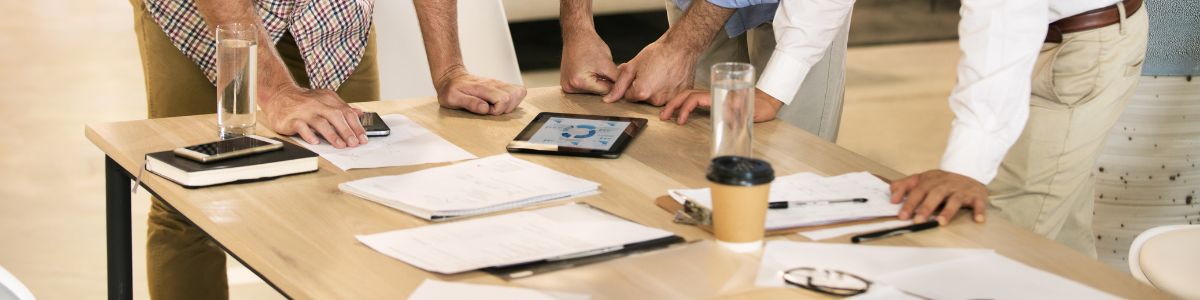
x=809 y=187
x=439 y=290
x=408 y=144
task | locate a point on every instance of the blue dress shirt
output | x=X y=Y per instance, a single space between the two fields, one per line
x=749 y=13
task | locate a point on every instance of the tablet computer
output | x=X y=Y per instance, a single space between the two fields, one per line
x=577 y=135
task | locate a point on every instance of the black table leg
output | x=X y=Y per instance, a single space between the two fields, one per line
x=120 y=233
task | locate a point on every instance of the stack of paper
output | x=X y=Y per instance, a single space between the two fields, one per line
x=545 y=234
x=408 y=144
x=809 y=187
x=469 y=188
x=932 y=273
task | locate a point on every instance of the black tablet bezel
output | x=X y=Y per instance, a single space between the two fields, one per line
x=521 y=143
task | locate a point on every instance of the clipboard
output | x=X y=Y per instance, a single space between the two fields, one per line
x=521 y=270
x=670 y=205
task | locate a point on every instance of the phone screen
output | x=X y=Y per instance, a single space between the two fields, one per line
x=227 y=146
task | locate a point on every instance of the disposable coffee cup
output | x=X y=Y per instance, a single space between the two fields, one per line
x=739 y=187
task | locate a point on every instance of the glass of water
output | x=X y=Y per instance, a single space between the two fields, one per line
x=237 y=79
x=732 y=109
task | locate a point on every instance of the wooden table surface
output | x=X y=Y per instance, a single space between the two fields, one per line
x=298 y=231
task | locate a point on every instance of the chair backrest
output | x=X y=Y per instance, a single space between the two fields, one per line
x=1165 y=257
x=11 y=288
x=483 y=35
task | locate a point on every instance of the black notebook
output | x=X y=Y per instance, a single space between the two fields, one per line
x=291 y=159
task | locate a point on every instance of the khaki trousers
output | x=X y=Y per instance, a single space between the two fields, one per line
x=1080 y=87
x=182 y=262
x=817 y=106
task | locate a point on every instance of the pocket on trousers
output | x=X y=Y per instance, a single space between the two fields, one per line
x=1075 y=69
x=1135 y=69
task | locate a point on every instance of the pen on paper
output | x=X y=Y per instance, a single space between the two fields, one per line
x=786 y=204
x=893 y=232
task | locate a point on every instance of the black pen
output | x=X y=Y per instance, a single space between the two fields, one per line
x=893 y=232
x=786 y=204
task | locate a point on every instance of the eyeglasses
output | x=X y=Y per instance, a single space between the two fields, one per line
x=830 y=282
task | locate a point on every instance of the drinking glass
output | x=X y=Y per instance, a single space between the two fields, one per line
x=732 y=109
x=237 y=79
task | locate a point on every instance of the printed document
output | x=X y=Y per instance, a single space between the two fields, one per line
x=935 y=273
x=440 y=290
x=809 y=187
x=515 y=238
x=469 y=188
x=408 y=144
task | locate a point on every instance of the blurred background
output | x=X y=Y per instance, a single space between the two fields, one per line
x=66 y=63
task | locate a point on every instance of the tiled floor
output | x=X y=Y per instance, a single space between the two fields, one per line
x=66 y=63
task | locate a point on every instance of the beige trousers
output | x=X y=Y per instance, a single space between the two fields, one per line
x=817 y=107
x=1080 y=87
x=182 y=262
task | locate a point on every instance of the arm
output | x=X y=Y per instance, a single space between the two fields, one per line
x=667 y=66
x=587 y=65
x=290 y=109
x=1000 y=41
x=804 y=29
x=456 y=88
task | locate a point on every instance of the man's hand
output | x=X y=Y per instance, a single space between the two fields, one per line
x=656 y=75
x=461 y=90
x=927 y=191
x=667 y=67
x=765 y=106
x=295 y=110
x=587 y=64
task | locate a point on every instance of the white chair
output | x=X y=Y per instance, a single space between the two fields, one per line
x=483 y=35
x=11 y=288
x=1166 y=257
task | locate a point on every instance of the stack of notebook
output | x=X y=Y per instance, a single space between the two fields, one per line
x=291 y=159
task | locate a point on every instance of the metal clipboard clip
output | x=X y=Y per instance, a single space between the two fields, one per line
x=692 y=213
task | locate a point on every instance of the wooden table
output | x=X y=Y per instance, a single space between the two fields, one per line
x=297 y=232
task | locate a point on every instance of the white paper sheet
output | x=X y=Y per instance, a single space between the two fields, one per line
x=408 y=144
x=805 y=187
x=439 y=290
x=472 y=185
x=822 y=234
x=513 y=238
x=937 y=273
x=862 y=260
x=989 y=276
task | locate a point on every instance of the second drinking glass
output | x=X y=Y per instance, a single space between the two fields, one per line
x=732 y=109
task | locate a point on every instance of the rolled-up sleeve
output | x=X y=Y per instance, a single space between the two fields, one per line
x=804 y=29
x=1000 y=42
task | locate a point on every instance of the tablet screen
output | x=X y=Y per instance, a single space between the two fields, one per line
x=579 y=133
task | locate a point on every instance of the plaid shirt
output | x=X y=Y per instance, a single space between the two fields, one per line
x=331 y=34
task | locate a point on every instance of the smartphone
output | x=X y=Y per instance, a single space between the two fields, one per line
x=373 y=124
x=230 y=148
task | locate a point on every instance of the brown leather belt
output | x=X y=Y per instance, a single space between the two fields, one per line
x=1091 y=19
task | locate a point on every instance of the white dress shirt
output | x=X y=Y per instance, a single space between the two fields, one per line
x=1000 y=41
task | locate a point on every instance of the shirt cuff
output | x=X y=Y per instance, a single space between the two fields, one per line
x=973 y=153
x=782 y=76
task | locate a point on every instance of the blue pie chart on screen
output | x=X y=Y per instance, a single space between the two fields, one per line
x=579 y=131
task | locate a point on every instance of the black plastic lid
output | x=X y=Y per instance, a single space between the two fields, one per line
x=737 y=170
